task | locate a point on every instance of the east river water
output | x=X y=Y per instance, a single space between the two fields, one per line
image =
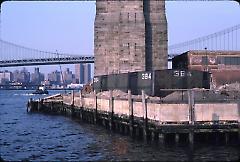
x=39 y=137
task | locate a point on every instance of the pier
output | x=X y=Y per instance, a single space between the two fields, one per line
x=148 y=118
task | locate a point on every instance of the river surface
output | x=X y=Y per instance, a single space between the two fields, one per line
x=39 y=137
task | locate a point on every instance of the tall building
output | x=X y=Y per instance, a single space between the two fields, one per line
x=22 y=76
x=83 y=73
x=77 y=73
x=130 y=35
x=54 y=78
x=68 y=77
x=37 y=77
x=5 y=77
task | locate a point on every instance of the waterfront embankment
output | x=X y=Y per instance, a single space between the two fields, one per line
x=151 y=118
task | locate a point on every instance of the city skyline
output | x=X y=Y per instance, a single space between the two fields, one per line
x=55 y=77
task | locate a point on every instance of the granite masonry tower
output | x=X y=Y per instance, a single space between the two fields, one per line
x=130 y=35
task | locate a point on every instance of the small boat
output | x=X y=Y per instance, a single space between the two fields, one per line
x=41 y=90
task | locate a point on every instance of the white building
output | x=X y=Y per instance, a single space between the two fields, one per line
x=5 y=77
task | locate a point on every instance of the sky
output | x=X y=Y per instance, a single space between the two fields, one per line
x=68 y=27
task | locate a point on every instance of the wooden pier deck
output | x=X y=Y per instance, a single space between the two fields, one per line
x=149 y=119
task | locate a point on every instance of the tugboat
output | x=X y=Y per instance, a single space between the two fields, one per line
x=41 y=90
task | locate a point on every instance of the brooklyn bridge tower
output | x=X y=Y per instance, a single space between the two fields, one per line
x=130 y=35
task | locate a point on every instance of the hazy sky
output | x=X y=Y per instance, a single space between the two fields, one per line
x=68 y=26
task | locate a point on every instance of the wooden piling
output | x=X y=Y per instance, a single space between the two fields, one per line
x=80 y=105
x=80 y=99
x=121 y=128
x=161 y=138
x=191 y=106
x=191 y=138
x=176 y=138
x=145 y=119
x=40 y=105
x=238 y=133
x=72 y=97
x=95 y=108
x=226 y=137
x=137 y=131
x=153 y=136
x=116 y=128
x=51 y=107
x=125 y=129
x=131 y=118
x=30 y=105
x=111 y=110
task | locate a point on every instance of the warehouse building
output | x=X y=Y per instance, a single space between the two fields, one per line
x=224 y=66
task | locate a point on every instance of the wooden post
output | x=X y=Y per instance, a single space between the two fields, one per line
x=72 y=98
x=116 y=126
x=80 y=99
x=81 y=105
x=153 y=136
x=29 y=105
x=161 y=138
x=72 y=105
x=40 y=104
x=238 y=133
x=95 y=108
x=121 y=128
x=145 y=120
x=111 y=110
x=238 y=123
x=51 y=106
x=191 y=106
x=191 y=138
x=125 y=129
x=176 y=138
x=63 y=111
x=137 y=131
x=131 y=118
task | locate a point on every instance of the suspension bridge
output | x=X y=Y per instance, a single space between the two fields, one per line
x=16 y=55
x=225 y=40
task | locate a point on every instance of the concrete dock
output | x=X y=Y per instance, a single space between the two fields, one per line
x=150 y=119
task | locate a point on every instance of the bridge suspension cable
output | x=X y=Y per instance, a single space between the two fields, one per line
x=11 y=51
x=225 y=40
x=15 y=55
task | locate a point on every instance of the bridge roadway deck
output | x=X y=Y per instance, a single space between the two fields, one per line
x=47 y=61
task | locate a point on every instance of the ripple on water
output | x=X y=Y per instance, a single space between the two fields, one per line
x=18 y=140
x=10 y=123
x=5 y=144
x=24 y=134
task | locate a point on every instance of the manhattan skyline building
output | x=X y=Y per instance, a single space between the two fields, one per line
x=83 y=73
x=54 y=77
x=22 y=76
x=5 y=77
x=37 y=77
x=68 y=76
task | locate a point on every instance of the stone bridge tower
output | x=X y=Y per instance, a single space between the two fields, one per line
x=130 y=35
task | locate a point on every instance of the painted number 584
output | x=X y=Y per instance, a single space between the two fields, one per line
x=146 y=76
